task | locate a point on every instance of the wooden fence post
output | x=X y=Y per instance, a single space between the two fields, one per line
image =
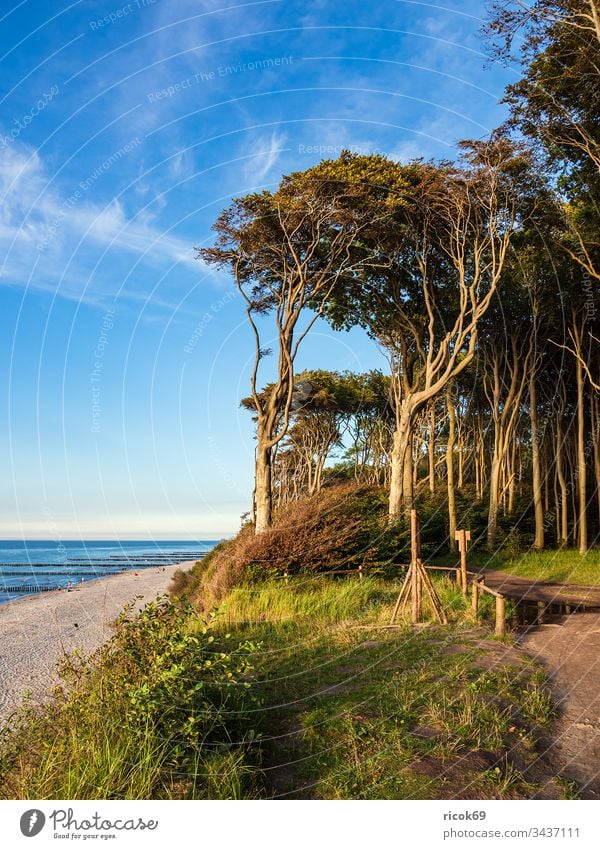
x=414 y=601
x=474 y=598
x=500 y=616
x=541 y=607
x=463 y=538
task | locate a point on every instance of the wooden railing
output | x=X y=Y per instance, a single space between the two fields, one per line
x=462 y=575
x=477 y=587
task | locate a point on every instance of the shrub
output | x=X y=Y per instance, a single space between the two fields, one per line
x=143 y=717
x=344 y=526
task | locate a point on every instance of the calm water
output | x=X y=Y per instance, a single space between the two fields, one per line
x=28 y=566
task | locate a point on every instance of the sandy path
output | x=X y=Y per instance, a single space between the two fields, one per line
x=35 y=631
x=570 y=651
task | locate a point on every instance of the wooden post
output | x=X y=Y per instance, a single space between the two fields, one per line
x=500 y=616
x=414 y=601
x=474 y=598
x=541 y=606
x=415 y=536
x=463 y=538
x=417 y=580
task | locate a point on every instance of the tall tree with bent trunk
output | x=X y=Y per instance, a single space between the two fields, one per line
x=287 y=250
x=446 y=257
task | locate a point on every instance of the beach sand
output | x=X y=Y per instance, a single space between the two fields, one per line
x=37 y=630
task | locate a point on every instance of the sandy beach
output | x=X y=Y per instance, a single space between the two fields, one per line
x=35 y=631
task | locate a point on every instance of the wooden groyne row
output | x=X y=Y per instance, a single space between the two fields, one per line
x=177 y=555
x=67 y=573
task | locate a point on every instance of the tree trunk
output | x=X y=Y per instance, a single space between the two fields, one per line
x=482 y=463
x=595 y=416
x=415 y=465
x=505 y=412
x=536 y=482
x=408 y=483
x=263 y=494
x=573 y=488
x=511 y=479
x=461 y=461
x=563 y=526
x=431 y=449
x=492 y=526
x=545 y=478
x=582 y=539
x=401 y=463
x=450 y=470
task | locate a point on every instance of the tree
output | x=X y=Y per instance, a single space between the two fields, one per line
x=555 y=103
x=287 y=250
x=444 y=260
x=506 y=354
x=320 y=420
x=327 y=407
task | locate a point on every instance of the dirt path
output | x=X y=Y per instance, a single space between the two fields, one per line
x=37 y=630
x=569 y=648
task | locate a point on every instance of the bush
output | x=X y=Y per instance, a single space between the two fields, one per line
x=343 y=527
x=147 y=716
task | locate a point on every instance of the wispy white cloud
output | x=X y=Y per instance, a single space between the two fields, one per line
x=42 y=228
x=264 y=154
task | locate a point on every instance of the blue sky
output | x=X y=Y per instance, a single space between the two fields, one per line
x=124 y=129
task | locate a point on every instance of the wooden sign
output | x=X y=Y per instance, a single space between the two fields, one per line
x=463 y=538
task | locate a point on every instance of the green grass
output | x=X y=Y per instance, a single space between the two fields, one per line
x=349 y=709
x=304 y=597
x=293 y=689
x=561 y=566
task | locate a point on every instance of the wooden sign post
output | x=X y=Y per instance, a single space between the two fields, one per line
x=463 y=537
x=417 y=578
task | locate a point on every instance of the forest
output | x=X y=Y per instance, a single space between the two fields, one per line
x=282 y=664
x=477 y=278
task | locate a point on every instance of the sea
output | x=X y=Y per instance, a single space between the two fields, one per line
x=33 y=566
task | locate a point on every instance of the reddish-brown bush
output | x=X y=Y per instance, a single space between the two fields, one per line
x=343 y=526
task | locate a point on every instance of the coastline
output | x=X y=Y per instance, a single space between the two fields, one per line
x=36 y=630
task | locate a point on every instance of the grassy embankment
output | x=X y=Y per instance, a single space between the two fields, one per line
x=559 y=566
x=293 y=687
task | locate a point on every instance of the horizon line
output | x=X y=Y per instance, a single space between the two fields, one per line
x=214 y=537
